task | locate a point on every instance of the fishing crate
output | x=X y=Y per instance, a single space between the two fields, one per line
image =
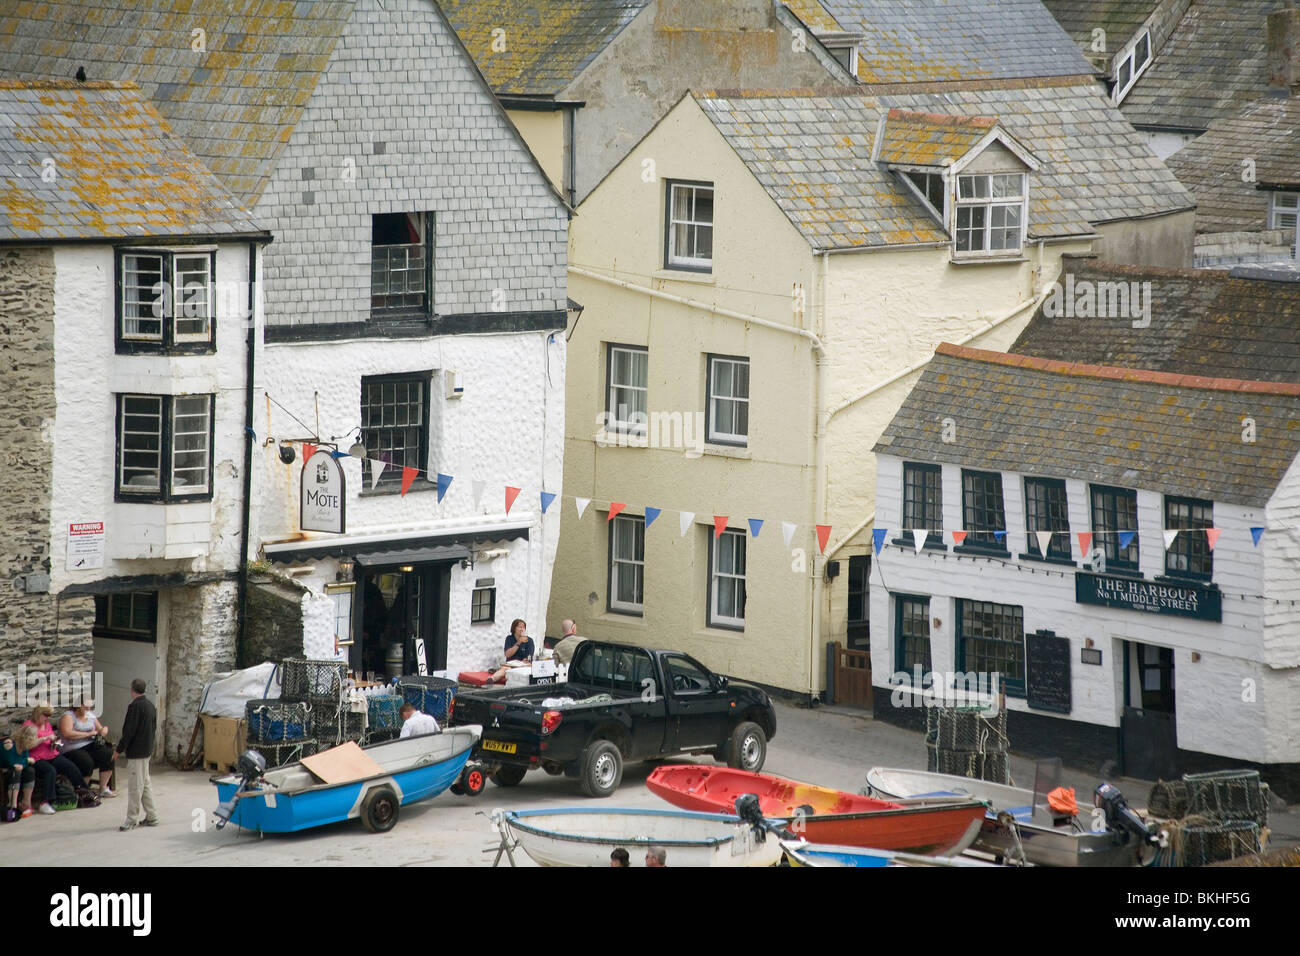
x=315 y=681
x=1227 y=795
x=434 y=696
x=277 y=721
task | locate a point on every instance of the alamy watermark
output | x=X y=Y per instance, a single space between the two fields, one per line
x=60 y=689
x=625 y=428
x=945 y=689
x=1086 y=299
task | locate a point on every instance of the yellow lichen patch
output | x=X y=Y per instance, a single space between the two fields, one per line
x=24 y=211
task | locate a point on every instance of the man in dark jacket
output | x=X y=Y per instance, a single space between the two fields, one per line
x=137 y=745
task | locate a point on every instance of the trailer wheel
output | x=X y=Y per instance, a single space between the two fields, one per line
x=379 y=810
x=472 y=781
x=508 y=775
x=602 y=769
x=747 y=749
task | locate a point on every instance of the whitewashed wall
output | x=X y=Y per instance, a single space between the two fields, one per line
x=1214 y=713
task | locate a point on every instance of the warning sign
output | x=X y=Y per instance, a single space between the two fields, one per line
x=85 y=545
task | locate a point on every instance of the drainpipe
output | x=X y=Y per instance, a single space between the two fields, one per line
x=241 y=608
x=820 y=421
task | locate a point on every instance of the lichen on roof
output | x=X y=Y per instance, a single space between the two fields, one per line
x=930 y=139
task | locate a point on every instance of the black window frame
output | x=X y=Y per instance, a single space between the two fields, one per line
x=709 y=359
x=858 y=629
x=980 y=539
x=933 y=539
x=103 y=627
x=164 y=494
x=390 y=480
x=1056 y=554
x=903 y=660
x=166 y=343
x=1192 y=547
x=625 y=608
x=669 y=264
x=491 y=592
x=1014 y=687
x=426 y=311
x=714 y=540
x=1108 y=538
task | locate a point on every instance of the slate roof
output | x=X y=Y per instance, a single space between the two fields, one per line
x=235 y=103
x=1267 y=132
x=1174 y=434
x=547 y=44
x=930 y=139
x=814 y=15
x=1203 y=322
x=1121 y=19
x=916 y=40
x=811 y=150
x=1213 y=65
x=117 y=169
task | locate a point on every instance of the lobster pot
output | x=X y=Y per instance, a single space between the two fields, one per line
x=379 y=736
x=277 y=755
x=993 y=767
x=966 y=729
x=1168 y=800
x=277 y=721
x=1214 y=842
x=433 y=695
x=302 y=679
x=1227 y=795
x=342 y=726
x=384 y=713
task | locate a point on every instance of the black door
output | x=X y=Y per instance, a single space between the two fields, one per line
x=404 y=606
x=1148 y=726
x=699 y=714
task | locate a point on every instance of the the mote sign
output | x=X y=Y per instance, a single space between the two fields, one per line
x=324 y=494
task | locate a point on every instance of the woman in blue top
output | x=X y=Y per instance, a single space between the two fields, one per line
x=17 y=760
x=519 y=646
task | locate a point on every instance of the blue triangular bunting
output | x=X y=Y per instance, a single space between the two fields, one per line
x=1256 y=534
x=878 y=536
x=1125 y=539
x=651 y=514
x=444 y=482
x=755 y=526
x=1000 y=535
x=547 y=498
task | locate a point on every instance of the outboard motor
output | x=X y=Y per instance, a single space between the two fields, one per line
x=1119 y=816
x=748 y=809
x=251 y=765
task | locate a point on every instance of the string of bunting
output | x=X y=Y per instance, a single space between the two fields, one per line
x=1044 y=538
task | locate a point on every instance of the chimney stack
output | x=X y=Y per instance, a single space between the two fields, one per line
x=1284 y=50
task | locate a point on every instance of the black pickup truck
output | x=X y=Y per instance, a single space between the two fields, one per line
x=647 y=704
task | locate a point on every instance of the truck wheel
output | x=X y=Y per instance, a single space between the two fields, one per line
x=747 y=749
x=508 y=776
x=379 y=810
x=602 y=769
x=472 y=781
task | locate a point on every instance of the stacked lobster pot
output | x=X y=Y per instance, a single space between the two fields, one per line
x=280 y=730
x=322 y=686
x=968 y=742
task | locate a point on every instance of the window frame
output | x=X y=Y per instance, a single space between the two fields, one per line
x=1013 y=687
x=1275 y=212
x=168 y=341
x=981 y=539
x=1061 y=555
x=988 y=203
x=390 y=480
x=1104 y=537
x=165 y=492
x=713 y=617
x=613 y=603
x=713 y=437
x=491 y=591
x=923 y=190
x=858 y=629
x=671 y=259
x=146 y=636
x=1186 y=544
x=901 y=656
x=1135 y=69
x=619 y=425
x=934 y=538
x=380 y=313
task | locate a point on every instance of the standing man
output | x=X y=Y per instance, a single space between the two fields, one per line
x=568 y=642
x=137 y=744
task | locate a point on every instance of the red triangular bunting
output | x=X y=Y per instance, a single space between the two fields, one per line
x=719 y=525
x=614 y=508
x=1212 y=536
x=511 y=495
x=408 y=476
x=823 y=535
x=308 y=449
x=1085 y=542
x=958 y=537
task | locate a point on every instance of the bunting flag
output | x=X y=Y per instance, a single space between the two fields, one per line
x=308 y=449
x=444 y=482
x=614 y=508
x=651 y=514
x=878 y=536
x=547 y=498
x=823 y=535
x=1044 y=541
x=408 y=476
x=1212 y=536
x=719 y=525
x=581 y=505
x=1170 y=534
x=958 y=537
x=1125 y=539
x=918 y=538
x=755 y=526
x=1256 y=534
x=1085 y=542
x=511 y=494
x=477 y=488
x=999 y=536
x=684 y=520
x=787 y=531
x=376 y=469
x=336 y=454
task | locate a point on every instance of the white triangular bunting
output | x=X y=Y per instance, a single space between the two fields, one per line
x=1044 y=539
x=684 y=521
x=787 y=531
x=377 y=467
x=1170 y=534
x=477 y=487
x=918 y=538
x=581 y=504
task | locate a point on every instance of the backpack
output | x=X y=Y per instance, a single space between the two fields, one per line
x=86 y=798
x=65 y=794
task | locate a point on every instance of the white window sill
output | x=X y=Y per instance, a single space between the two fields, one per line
x=683 y=275
x=717 y=631
x=1017 y=256
x=604 y=438
x=611 y=618
x=729 y=451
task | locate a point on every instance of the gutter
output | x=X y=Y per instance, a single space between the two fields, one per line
x=241 y=603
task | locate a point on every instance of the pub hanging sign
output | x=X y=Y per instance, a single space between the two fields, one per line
x=1133 y=594
x=323 y=494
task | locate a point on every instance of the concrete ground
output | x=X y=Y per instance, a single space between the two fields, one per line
x=830 y=746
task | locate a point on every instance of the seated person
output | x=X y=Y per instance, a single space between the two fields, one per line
x=49 y=762
x=416 y=722
x=568 y=643
x=519 y=647
x=16 y=758
x=81 y=730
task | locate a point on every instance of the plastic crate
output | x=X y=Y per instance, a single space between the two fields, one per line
x=303 y=679
x=432 y=695
x=277 y=721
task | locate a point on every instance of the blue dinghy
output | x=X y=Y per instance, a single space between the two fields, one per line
x=290 y=798
x=800 y=853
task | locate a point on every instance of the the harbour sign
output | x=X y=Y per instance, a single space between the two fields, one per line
x=1134 y=594
x=324 y=494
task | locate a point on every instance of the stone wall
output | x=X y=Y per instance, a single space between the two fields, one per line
x=273 y=627
x=202 y=631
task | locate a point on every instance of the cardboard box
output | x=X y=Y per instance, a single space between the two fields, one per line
x=224 y=739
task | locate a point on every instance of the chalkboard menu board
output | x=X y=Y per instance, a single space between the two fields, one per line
x=1047 y=672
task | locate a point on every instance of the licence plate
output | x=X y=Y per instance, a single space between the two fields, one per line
x=499 y=745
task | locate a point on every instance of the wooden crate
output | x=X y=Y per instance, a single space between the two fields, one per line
x=224 y=739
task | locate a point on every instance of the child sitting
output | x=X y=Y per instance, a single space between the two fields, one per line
x=15 y=757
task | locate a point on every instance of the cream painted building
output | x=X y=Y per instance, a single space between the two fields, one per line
x=772 y=271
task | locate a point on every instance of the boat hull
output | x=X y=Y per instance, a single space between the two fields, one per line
x=800 y=853
x=939 y=830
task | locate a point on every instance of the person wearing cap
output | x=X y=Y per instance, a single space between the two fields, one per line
x=49 y=762
x=81 y=730
x=656 y=856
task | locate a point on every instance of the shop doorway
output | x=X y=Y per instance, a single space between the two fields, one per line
x=125 y=642
x=402 y=619
x=1149 y=727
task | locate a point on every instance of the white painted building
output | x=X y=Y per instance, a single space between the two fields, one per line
x=1171 y=652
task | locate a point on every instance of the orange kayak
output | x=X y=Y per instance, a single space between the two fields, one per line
x=823 y=815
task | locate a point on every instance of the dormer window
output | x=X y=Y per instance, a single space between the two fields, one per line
x=1283 y=212
x=929 y=185
x=1131 y=65
x=990 y=213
